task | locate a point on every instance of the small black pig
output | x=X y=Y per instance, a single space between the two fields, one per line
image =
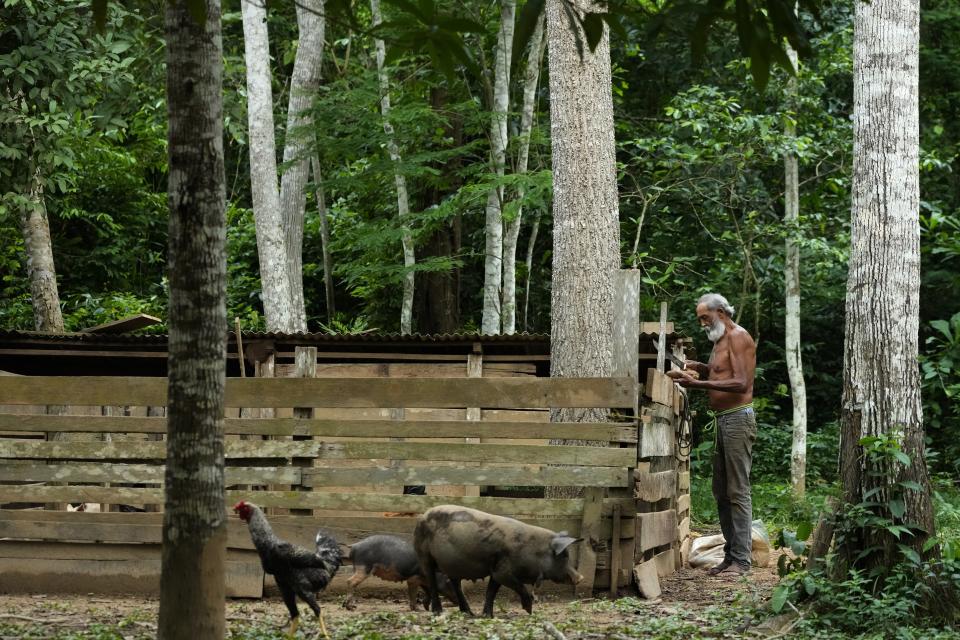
x=467 y=544
x=393 y=559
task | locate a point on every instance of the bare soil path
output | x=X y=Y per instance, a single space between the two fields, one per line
x=692 y=605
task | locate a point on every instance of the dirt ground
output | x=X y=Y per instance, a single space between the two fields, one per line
x=381 y=612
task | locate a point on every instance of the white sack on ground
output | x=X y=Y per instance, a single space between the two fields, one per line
x=707 y=551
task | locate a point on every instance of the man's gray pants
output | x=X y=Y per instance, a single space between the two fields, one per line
x=731 y=483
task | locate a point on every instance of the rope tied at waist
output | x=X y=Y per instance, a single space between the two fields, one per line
x=712 y=425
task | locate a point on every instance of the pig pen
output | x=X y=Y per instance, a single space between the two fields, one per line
x=324 y=443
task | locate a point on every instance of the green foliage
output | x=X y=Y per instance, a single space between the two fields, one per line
x=61 y=81
x=905 y=591
x=847 y=607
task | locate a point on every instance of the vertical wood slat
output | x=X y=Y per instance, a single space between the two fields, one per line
x=662 y=337
x=266 y=368
x=615 y=551
x=590 y=532
x=155 y=412
x=55 y=410
x=306 y=367
x=626 y=323
x=474 y=370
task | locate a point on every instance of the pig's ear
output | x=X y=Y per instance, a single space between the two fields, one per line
x=560 y=542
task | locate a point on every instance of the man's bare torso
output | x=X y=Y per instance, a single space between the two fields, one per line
x=722 y=367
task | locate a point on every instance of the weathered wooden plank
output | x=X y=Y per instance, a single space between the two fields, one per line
x=652 y=487
x=592 y=508
x=130 y=528
x=524 y=476
x=487 y=428
x=124 y=325
x=454 y=452
x=657 y=528
x=654 y=327
x=683 y=529
x=648 y=583
x=685 y=552
x=683 y=503
x=134 y=473
x=626 y=322
x=654 y=411
x=656 y=439
x=474 y=414
x=659 y=388
x=307 y=500
x=410 y=369
x=615 y=522
x=244 y=577
x=666 y=562
x=148 y=527
x=683 y=481
x=514 y=392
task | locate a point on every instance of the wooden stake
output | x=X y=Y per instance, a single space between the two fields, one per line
x=243 y=364
x=662 y=339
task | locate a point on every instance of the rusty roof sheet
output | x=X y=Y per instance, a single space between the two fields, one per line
x=306 y=338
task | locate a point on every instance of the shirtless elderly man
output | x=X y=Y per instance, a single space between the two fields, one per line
x=728 y=380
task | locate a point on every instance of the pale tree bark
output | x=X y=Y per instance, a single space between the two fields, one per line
x=192 y=591
x=881 y=385
x=586 y=230
x=275 y=283
x=293 y=196
x=531 y=80
x=493 y=251
x=531 y=245
x=324 y=238
x=791 y=273
x=400 y=181
x=41 y=271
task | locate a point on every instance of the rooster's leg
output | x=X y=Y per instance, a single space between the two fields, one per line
x=323 y=627
x=290 y=599
x=311 y=600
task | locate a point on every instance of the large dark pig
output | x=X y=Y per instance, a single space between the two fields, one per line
x=393 y=559
x=466 y=544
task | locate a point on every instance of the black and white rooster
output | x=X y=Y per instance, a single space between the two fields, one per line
x=298 y=571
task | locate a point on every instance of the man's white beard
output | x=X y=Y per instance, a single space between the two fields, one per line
x=715 y=331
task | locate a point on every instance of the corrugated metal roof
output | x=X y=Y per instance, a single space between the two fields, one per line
x=79 y=337
x=373 y=338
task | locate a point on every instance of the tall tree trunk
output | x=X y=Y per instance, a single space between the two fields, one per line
x=438 y=294
x=403 y=202
x=586 y=229
x=791 y=269
x=324 y=238
x=293 y=196
x=275 y=283
x=531 y=79
x=881 y=386
x=493 y=253
x=531 y=245
x=192 y=591
x=40 y=268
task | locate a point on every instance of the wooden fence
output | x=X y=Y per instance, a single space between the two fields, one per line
x=317 y=452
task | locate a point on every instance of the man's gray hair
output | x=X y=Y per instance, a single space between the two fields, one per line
x=716 y=301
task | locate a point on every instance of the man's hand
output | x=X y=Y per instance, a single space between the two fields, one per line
x=699 y=367
x=683 y=377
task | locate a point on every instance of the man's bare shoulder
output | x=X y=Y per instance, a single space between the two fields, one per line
x=740 y=337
